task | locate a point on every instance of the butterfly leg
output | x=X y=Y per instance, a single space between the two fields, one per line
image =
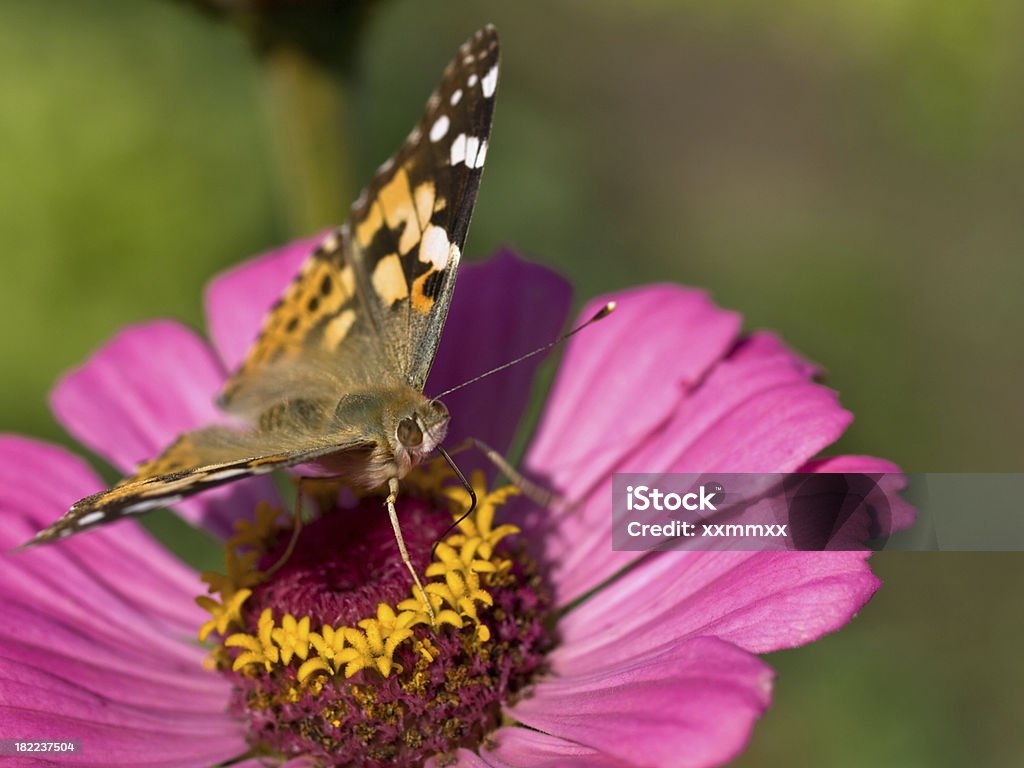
x=296 y=528
x=393 y=514
x=535 y=493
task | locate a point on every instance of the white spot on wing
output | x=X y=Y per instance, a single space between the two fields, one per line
x=472 y=80
x=456 y=97
x=458 y=154
x=478 y=161
x=439 y=128
x=434 y=247
x=472 y=145
x=92 y=517
x=489 y=82
x=148 y=504
x=224 y=474
x=414 y=135
x=386 y=165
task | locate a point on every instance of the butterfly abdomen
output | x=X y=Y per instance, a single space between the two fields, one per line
x=300 y=413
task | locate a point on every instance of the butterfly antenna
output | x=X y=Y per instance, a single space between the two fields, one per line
x=472 y=499
x=602 y=313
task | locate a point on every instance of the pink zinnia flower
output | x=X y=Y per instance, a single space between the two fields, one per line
x=656 y=667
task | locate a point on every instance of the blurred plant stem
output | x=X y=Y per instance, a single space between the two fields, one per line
x=309 y=106
x=308 y=51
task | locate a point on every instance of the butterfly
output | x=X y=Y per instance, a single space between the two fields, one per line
x=335 y=377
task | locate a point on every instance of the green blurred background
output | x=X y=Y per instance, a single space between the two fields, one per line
x=847 y=173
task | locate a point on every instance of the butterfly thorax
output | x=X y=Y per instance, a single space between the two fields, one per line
x=382 y=432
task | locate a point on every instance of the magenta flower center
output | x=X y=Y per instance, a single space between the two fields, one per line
x=337 y=659
x=346 y=563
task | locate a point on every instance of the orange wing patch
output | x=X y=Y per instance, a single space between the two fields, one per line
x=389 y=280
x=404 y=210
x=179 y=455
x=321 y=298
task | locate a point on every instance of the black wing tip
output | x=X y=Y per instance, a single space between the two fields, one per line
x=48 y=535
x=484 y=39
x=32 y=543
x=64 y=527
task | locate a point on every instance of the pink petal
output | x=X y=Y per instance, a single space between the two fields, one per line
x=760 y=601
x=36 y=482
x=620 y=380
x=690 y=703
x=96 y=633
x=502 y=308
x=758 y=411
x=237 y=300
x=903 y=513
x=755 y=411
x=37 y=703
x=140 y=391
x=523 y=748
x=107 y=665
x=866 y=464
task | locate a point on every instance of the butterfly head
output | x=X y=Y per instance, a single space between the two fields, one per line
x=423 y=429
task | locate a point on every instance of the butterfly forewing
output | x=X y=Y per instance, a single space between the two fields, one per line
x=371 y=301
x=195 y=462
x=409 y=226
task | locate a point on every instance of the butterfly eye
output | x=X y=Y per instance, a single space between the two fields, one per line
x=409 y=433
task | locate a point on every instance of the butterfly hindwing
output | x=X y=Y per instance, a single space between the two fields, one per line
x=318 y=329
